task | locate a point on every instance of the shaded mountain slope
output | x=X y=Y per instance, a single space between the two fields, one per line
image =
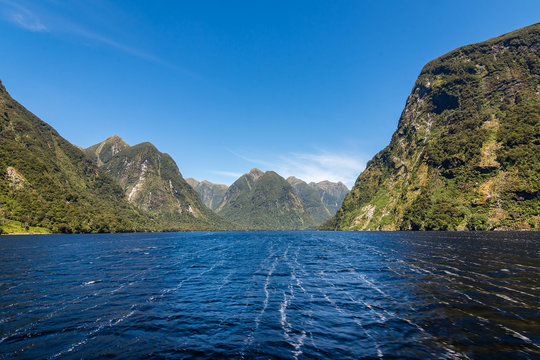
x=211 y=194
x=311 y=198
x=466 y=153
x=332 y=194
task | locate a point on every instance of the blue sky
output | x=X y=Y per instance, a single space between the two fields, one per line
x=306 y=88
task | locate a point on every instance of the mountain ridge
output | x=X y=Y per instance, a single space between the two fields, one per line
x=152 y=181
x=48 y=183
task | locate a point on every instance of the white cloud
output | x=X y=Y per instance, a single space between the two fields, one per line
x=25 y=15
x=22 y=17
x=228 y=173
x=323 y=165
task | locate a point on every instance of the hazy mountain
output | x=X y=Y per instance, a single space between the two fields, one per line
x=321 y=199
x=466 y=153
x=152 y=181
x=332 y=194
x=47 y=182
x=211 y=194
x=265 y=201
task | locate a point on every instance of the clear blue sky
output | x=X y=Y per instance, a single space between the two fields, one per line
x=307 y=88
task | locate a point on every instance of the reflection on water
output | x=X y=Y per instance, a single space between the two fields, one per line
x=287 y=295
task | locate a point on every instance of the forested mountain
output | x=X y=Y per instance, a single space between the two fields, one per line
x=322 y=199
x=48 y=183
x=265 y=201
x=466 y=153
x=152 y=181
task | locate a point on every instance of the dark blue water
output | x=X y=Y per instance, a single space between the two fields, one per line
x=285 y=295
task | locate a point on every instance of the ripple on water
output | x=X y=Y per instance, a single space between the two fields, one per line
x=287 y=295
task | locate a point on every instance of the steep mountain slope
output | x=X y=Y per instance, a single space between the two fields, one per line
x=211 y=194
x=103 y=152
x=332 y=194
x=47 y=182
x=265 y=201
x=466 y=154
x=311 y=198
x=152 y=182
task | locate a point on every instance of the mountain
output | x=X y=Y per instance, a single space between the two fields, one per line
x=321 y=199
x=332 y=194
x=265 y=201
x=466 y=153
x=48 y=184
x=211 y=194
x=103 y=152
x=152 y=182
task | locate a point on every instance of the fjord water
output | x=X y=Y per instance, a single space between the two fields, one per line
x=271 y=295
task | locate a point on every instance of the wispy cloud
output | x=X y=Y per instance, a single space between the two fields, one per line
x=319 y=166
x=228 y=173
x=34 y=18
x=22 y=17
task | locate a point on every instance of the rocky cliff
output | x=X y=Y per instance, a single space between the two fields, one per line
x=466 y=153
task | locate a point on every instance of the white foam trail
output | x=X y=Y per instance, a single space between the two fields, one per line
x=91 y=335
x=250 y=337
x=508 y=298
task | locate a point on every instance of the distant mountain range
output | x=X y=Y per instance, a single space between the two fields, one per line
x=265 y=200
x=50 y=185
x=322 y=199
x=466 y=153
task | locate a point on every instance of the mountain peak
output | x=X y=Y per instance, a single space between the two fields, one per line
x=192 y=182
x=255 y=173
x=102 y=152
x=115 y=138
x=266 y=201
x=293 y=180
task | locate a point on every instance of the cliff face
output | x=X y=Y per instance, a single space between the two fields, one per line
x=466 y=153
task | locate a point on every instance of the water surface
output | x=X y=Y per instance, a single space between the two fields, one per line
x=291 y=295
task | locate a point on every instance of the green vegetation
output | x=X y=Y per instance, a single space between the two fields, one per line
x=46 y=182
x=153 y=183
x=265 y=201
x=49 y=185
x=466 y=154
x=321 y=199
x=16 y=227
x=211 y=194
